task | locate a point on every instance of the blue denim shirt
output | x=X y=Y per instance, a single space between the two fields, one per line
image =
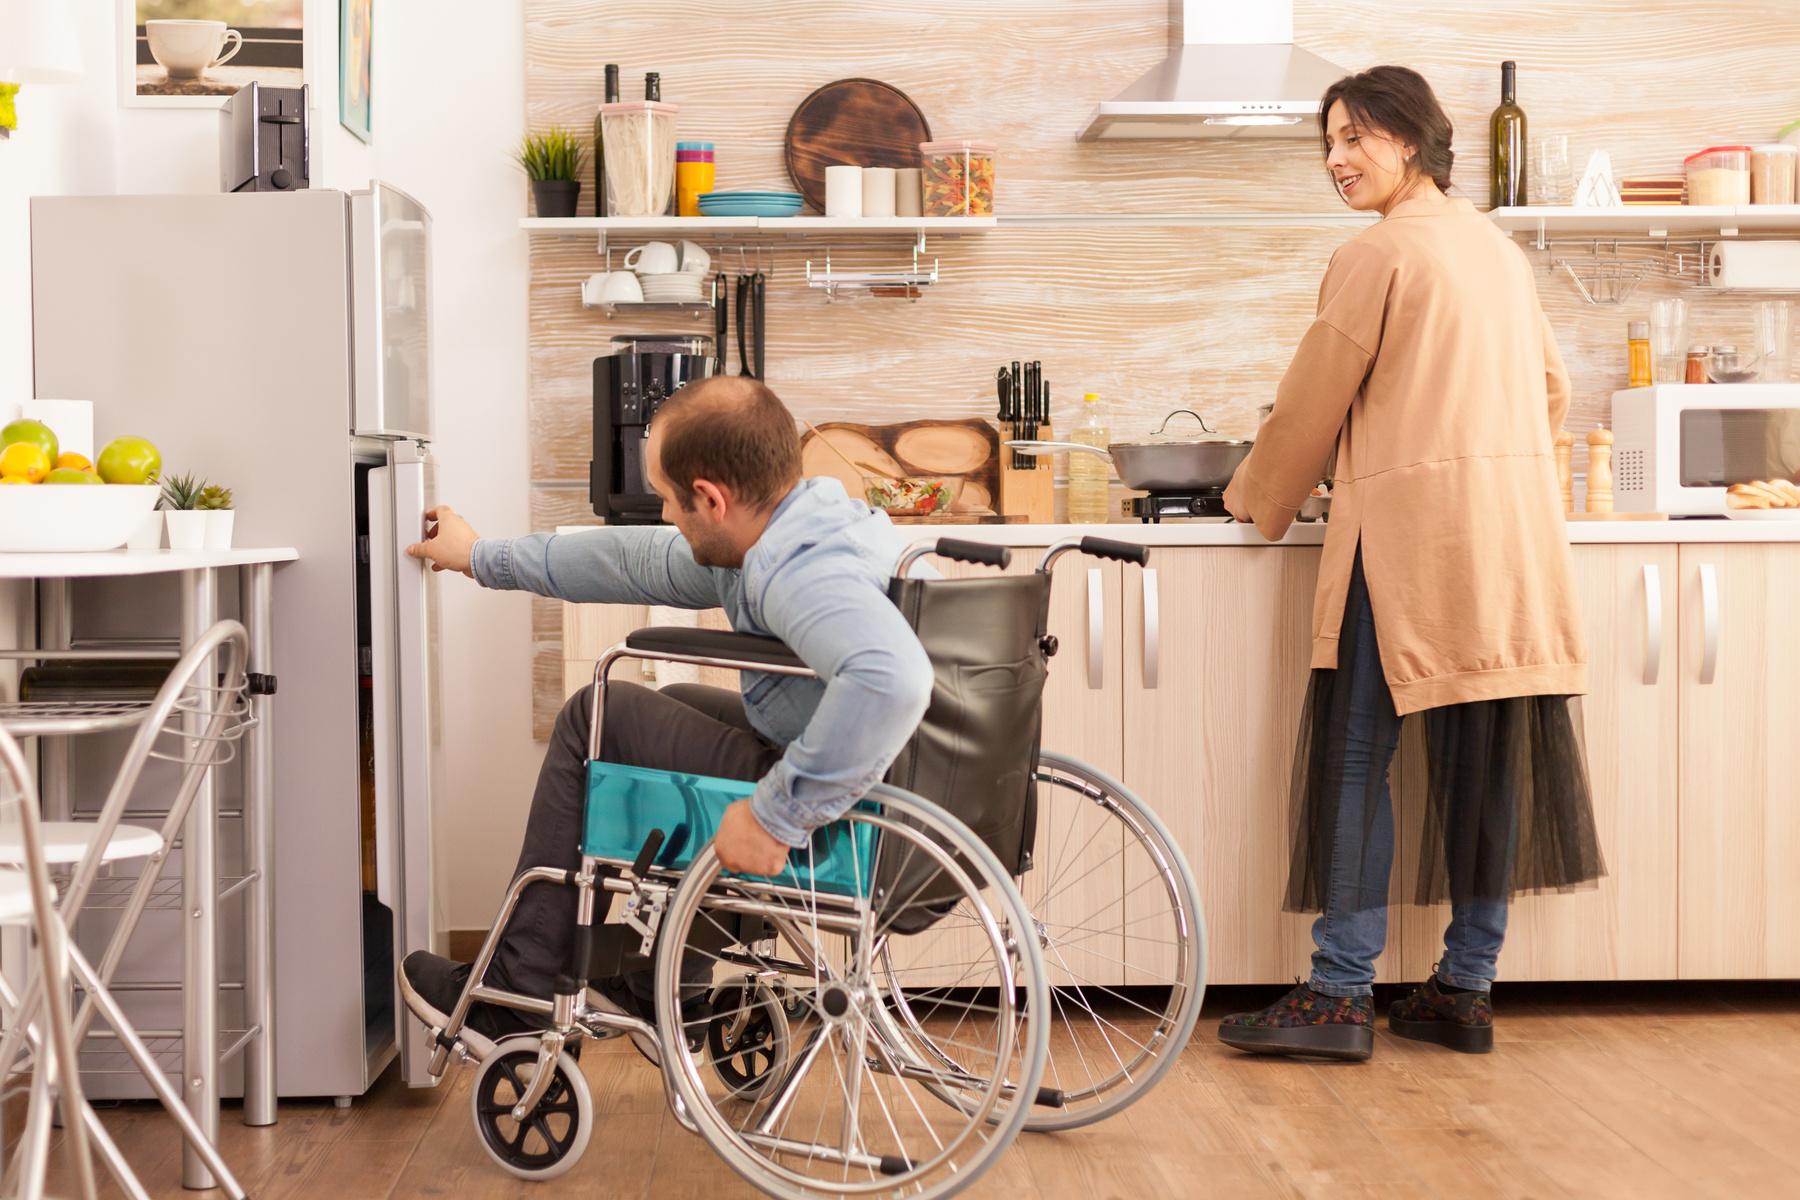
x=817 y=579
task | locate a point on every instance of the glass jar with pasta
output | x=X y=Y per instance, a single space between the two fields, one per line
x=958 y=178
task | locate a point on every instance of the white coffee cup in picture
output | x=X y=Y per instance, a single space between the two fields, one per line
x=694 y=260
x=186 y=49
x=611 y=287
x=878 y=192
x=909 y=192
x=843 y=192
x=653 y=258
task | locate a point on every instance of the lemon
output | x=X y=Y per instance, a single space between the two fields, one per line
x=35 y=432
x=72 y=475
x=74 y=461
x=130 y=460
x=24 y=461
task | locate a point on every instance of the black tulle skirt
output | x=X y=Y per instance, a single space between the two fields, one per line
x=1494 y=793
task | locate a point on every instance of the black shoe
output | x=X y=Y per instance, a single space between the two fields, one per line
x=1460 y=1020
x=431 y=985
x=614 y=995
x=1305 y=1022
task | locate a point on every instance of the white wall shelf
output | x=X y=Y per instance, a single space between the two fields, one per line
x=1649 y=220
x=793 y=228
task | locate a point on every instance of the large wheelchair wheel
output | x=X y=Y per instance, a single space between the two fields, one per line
x=552 y=1136
x=854 y=1110
x=1117 y=917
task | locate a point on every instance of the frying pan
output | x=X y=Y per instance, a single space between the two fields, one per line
x=1162 y=464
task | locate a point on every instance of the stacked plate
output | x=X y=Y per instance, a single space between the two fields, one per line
x=678 y=287
x=750 y=204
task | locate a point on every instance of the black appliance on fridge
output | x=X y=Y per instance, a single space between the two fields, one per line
x=630 y=384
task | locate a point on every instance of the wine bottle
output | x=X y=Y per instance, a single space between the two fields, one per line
x=612 y=97
x=1506 y=141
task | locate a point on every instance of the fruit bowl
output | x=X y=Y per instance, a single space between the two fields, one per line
x=911 y=495
x=70 y=517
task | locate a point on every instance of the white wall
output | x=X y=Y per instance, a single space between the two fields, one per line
x=448 y=102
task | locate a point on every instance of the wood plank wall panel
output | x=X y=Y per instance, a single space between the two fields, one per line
x=1151 y=317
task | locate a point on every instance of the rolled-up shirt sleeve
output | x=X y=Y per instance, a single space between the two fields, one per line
x=611 y=565
x=877 y=685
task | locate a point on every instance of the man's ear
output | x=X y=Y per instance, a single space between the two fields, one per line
x=716 y=499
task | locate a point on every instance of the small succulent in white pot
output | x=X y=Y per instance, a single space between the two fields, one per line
x=215 y=502
x=181 y=509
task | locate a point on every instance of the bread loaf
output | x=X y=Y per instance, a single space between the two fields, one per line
x=1763 y=493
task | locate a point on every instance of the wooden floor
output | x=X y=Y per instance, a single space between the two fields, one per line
x=1639 y=1091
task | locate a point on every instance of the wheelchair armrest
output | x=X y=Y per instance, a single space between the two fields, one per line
x=715 y=643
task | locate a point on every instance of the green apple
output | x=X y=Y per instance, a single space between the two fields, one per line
x=71 y=475
x=129 y=460
x=35 y=432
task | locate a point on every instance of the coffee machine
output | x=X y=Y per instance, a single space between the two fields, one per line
x=630 y=384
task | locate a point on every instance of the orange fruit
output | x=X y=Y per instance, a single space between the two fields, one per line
x=73 y=461
x=24 y=461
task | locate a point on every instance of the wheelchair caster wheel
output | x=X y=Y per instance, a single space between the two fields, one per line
x=552 y=1137
x=747 y=1040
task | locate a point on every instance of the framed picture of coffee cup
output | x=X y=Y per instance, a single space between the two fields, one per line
x=353 y=67
x=196 y=53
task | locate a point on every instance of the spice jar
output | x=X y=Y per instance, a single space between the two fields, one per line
x=1696 y=363
x=1637 y=342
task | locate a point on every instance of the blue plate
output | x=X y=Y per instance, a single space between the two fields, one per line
x=750 y=209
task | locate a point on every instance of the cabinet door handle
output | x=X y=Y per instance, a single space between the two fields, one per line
x=1709 y=609
x=1152 y=628
x=1652 y=623
x=1096 y=639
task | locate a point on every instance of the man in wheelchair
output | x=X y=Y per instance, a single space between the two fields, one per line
x=785 y=557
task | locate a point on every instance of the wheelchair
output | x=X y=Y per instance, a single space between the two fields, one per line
x=926 y=977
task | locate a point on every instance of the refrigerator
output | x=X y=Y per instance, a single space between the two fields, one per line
x=279 y=344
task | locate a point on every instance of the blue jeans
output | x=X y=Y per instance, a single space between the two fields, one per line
x=1352 y=930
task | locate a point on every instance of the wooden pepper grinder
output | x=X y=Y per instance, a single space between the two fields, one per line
x=1599 y=473
x=1565 y=467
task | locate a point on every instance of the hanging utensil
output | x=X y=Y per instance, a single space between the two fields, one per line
x=742 y=304
x=759 y=310
x=721 y=292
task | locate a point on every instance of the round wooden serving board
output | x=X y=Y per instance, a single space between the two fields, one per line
x=853 y=122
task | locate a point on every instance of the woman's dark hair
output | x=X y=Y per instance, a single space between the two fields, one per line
x=1398 y=102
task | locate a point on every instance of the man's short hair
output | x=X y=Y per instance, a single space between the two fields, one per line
x=734 y=432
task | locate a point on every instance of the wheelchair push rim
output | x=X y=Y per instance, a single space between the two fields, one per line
x=854 y=1114
x=1109 y=1044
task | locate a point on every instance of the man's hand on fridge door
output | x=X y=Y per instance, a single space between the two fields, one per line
x=449 y=540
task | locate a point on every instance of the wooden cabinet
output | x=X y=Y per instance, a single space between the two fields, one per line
x=1739 y=662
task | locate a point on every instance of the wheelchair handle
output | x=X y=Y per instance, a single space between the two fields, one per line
x=962 y=551
x=1128 y=552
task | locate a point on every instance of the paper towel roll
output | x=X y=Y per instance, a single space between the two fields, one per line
x=1756 y=265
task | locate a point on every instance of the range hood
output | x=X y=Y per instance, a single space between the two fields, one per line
x=1233 y=71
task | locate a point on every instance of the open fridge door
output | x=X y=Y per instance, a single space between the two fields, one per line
x=408 y=724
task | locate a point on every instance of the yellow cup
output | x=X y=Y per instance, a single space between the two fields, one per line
x=692 y=179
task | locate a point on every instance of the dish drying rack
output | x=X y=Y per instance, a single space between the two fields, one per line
x=903 y=284
x=1607 y=271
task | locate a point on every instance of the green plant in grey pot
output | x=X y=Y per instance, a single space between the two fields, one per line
x=552 y=160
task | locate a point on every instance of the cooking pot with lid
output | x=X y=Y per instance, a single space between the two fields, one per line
x=1162 y=462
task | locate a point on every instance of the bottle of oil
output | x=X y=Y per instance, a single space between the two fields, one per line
x=1089 y=476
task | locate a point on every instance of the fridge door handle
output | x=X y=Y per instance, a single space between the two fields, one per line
x=1653 y=621
x=383 y=657
x=1152 y=628
x=1709 y=610
x=1096 y=629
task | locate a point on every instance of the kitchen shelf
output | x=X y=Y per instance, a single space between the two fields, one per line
x=1648 y=220
x=918 y=228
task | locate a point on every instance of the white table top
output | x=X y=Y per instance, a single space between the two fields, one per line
x=133 y=562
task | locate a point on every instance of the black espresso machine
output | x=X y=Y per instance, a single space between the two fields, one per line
x=630 y=384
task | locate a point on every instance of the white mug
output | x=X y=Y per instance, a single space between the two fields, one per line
x=653 y=258
x=186 y=49
x=611 y=287
x=909 y=192
x=843 y=192
x=878 y=191
x=693 y=258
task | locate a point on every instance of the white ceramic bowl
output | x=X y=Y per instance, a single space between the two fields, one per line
x=72 y=516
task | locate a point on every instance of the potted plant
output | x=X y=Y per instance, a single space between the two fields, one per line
x=552 y=160
x=215 y=502
x=180 y=504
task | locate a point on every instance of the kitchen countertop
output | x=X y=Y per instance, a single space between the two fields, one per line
x=132 y=562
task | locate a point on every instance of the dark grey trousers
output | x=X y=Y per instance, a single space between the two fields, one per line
x=683 y=727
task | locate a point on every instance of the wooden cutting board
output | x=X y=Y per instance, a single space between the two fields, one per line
x=853 y=122
x=968 y=448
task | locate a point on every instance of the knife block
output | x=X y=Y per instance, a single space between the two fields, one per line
x=1028 y=492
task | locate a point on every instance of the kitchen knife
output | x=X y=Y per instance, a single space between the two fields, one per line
x=743 y=306
x=721 y=294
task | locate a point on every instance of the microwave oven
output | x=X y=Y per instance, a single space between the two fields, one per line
x=1678 y=446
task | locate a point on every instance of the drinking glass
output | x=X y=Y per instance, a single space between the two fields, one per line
x=1668 y=341
x=1552 y=177
x=1774 y=340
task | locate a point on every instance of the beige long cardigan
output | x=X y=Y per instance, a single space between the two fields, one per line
x=1432 y=371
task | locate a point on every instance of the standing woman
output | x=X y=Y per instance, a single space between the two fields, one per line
x=1445 y=587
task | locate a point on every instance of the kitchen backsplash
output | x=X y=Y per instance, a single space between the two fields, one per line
x=1152 y=317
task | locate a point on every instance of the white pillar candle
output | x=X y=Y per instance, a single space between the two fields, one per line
x=843 y=192
x=878 y=192
x=909 y=192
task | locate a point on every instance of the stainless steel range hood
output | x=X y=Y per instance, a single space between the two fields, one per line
x=1233 y=71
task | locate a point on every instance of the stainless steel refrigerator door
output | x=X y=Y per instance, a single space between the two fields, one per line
x=390 y=256
x=408 y=743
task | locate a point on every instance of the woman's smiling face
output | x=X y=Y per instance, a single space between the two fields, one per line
x=1368 y=166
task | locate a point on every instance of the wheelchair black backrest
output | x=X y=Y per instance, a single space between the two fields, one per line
x=975 y=752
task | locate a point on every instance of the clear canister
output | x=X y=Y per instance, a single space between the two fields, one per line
x=1719 y=176
x=958 y=178
x=1772 y=174
x=639 y=139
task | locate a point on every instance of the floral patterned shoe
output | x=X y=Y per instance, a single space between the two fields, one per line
x=1460 y=1020
x=1306 y=1022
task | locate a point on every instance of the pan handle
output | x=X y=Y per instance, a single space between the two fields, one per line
x=1025 y=446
